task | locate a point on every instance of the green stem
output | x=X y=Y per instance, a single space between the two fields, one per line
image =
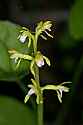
x=40 y=105
x=40 y=114
x=36 y=73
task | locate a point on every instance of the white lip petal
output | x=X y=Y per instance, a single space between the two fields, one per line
x=16 y=60
x=23 y=38
x=60 y=92
x=40 y=63
x=31 y=91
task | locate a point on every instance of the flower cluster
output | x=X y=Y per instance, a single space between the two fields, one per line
x=36 y=59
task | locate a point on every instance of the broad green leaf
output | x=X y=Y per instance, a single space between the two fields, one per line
x=4 y=58
x=13 y=112
x=8 y=40
x=6 y=72
x=76 y=20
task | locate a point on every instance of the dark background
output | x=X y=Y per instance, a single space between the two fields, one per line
x=29 y=12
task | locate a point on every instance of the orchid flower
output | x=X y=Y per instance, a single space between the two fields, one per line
x=18 y=57
x=25 y=32
x=38 y=59
x=33 y=90
x=58 y=88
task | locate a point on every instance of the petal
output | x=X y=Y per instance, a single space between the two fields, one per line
x=47 y=60
x=40 y=63
x=29 y=43
x=60 y=91
x=64 y=88
x=59 y=96
x=26 y=98
x=43 y=37
x=30 y=92
x=23 y=38
x=16 y=59
x=48 y=34
x=32 y=68
x=18 y=63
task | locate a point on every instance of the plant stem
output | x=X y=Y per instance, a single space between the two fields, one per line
x=40 y=114
x=40 y=105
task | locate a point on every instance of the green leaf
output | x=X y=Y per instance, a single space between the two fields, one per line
x=4 y=58
x=5 y=67
x=76 y=20
x=13 y=112
x=8 y=40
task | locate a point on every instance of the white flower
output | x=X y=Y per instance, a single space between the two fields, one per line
x=40 y=63
x=22 y=38
x=31 y=92
x=39 y=59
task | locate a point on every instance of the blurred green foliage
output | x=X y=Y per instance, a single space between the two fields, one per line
x=13 y=112
x=66 y=41
x=76 y=20
x=8 y=40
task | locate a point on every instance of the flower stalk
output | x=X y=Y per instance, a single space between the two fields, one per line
x=37 y=60
x=38 y=64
